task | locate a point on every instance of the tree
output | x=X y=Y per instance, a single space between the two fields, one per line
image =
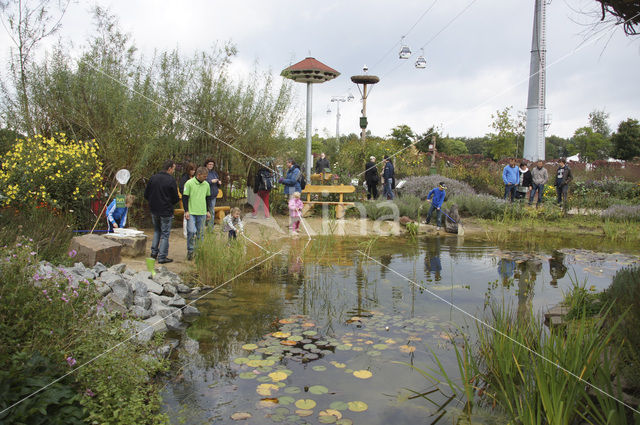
x=626 y=140
x=589 y=144
x=452 y=147
x=625 y=12
x=509 y=131
x=598 y=122
x=29 y=22
x=475 y=145
x=426 y=139
x=556 y=147
x=403 y=135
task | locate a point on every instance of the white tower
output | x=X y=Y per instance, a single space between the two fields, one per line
x=534 y=140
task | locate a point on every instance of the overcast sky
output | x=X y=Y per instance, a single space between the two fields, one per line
x=476 y=65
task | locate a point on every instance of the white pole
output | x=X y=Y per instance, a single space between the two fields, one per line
x=308 y=159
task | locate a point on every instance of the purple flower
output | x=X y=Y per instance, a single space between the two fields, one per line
x=73 y=253
x=89 y=393
x=64 y=299
x=33 y=253
x=44 y=291
x=71 y=361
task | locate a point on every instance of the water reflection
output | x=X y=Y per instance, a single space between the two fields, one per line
x=432 y=262
x=557 y=269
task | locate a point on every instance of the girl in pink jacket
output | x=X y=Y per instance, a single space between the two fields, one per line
x=295 y=212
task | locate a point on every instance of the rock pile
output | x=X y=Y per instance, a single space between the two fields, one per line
x=154 y=304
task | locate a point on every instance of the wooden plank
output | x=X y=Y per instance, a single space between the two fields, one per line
x=343 y=188
x=328 y=203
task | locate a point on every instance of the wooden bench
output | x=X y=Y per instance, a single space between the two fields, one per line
x=219 y=212
x=328 y=189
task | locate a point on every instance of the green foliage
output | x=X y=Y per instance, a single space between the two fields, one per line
x=582 y=302
x=217 y=259
x=590 y=144
x=402 y=135
x=479 y=206
x=556 y=147
x=508 y=133
x=61 y=324
x=426 y=138
x=483 y=176
x=452 y=147
x=626 y=141
x=603 y=193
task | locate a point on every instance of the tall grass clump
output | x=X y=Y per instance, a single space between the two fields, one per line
x=219 y=259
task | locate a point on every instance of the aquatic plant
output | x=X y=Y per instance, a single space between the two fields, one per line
x=219 y=259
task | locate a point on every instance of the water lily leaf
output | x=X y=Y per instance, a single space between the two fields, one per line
x=264 y=379
x=344 y=347
x=309 y=333
x=357 y=349
x=296 y=338
x=308 y=325
x=286 y=400
x=254 y=357
x=282 y=411
x=281 y=335
x=292 y=418
x=287 y=371
x=327 y=419
x=266 y=389
x=247 y=375
x=339 y=405
x=249 y=347
x=240 y=360
x=239 y=416
x=344 y=421
x=362 y=374
x=309 y=346
x=331 y=412
x=374 y=353
x=319 y=368
x=281 y=384
x=304 y=413
x=286 y=321
x=357 y=406
x=389 y=341
x=292 y=390
x=407 y=348
x=289 y=343
x=264 y=369
x=318 y=389
x=380 y=346
x=254 y=363
x=339 y=365
x=278 y=376
x=305 y=404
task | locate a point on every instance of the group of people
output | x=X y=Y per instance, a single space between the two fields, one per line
x=199 y=188
x=520 y=181
x=372 y=178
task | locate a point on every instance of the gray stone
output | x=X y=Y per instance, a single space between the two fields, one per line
x=139 y=288
x=79 y=267
x=132 y=246
x=164 y=299
x=119 y=287
x=118 y=268
x=182 y=288
x=173 y=324
x=157 y=323
x=92 y=248
x=143 y=331
x=98 y=268
x=162 y=310
x=129 y=272
x=169 y=290
x=177 y=301
x=45 y=269
x=113 y=303
x=143 y=275
x=144 y=302
x=173 y=342
x=141 y=312
x=190 y=311
x=191 y=346
x=164 y=351
x=152 y=286
x=103 y=288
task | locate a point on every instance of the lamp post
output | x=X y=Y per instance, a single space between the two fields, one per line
x=365 y=80
x=339 y=99
x=310 y=71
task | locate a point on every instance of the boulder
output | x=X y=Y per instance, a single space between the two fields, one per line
x=177 y=301
x=182 y=288
x=119 y=287
x=157 y=323
x=118 y=268
x=141 y=312
x=92 y=248
x=139 y=288
x=103 y=288
x=132 y=246
x=152 y=287
x=169 y=290
x=98 y=268
x=141 y=330
x=144 y=302
x=173 y=324
x=190 y=312
x=113 y=303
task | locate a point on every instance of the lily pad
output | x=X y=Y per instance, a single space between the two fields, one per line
x=339 y=365
x=249 y=347
x=319 y=368
x=374 y=353
x=343 y=347
x=318 y=389
x=254 y=363
x=305 y=404
x=407 y=348
x=282 y=411
x=278 y=376
x=357 y=406
x=286 y=400
x=344 y=421
x=239 y=416
x=309 y=333
x=264 y=379
x=281 y=335
x=309 y=346
x=266 y=389
x=380 y=346
x=362 y=374
x=292 y=390
x=247 y=375
x=296 y=338
x=339 y=405
x=304 y=413
x=327 y=419
x=240 y=360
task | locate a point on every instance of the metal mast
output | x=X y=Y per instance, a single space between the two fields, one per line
x=534 y=139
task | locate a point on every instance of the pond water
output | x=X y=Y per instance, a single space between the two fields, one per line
x=329 y=336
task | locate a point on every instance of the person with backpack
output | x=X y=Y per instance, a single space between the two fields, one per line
x=294 y=180
x=262 y=185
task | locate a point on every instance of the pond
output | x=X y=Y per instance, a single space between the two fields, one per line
x=329 y=335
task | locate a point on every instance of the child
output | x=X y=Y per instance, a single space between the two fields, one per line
x=117 y=216
x=438 y=194
x=295 y=212
x=233 y=223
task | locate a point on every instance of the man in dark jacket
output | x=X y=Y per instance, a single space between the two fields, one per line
x=388 y=174
x=372 y=178
x=214 y=185
x=322 y=164
x=563 y=178
x=262 y=185
x=162 y=194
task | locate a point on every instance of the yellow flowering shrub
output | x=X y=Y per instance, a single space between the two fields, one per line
x=58 y=172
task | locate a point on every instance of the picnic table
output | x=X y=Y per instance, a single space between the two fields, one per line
x=327 y=189
x=219 y=212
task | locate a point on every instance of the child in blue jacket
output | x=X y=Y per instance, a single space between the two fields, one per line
x=117 y=216
x=438 y=194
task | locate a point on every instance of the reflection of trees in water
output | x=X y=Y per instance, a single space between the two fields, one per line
x=557 y=269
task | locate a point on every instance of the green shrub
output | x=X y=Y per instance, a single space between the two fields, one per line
x=217 y=259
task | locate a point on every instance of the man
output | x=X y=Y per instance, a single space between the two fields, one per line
x=371 y=177
x=162 y=194
x=438 y=194
x=388 y=174
x=539 y=178
x=291 y=181
x=321 y=164
x=196 y=197
x=510 y=177
x=214 y=185
x=563 y=178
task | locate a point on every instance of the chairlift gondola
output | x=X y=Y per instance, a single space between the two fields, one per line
x=421 y=62
x=405 y=51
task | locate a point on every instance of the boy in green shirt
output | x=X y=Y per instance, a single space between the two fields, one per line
x=195 y=198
